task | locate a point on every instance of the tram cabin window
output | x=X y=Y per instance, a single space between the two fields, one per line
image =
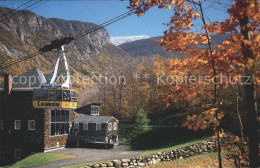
x=73 y=96
x=38 y=94
x=55 y=95
x=44 y=94
x=66 y=95
x=52 y=95
x=58 y=95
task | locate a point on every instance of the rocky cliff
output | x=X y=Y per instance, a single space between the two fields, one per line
x=26 y=32
x=32 y=31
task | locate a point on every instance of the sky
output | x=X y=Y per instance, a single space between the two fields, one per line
x=151 y=23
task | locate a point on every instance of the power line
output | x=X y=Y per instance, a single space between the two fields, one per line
x=20 y=60
x=15 y=9
x=66 y=40
x=113 y=20
x=39 y=5
x=20 y=11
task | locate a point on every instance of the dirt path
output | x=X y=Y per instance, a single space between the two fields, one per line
x=85 y=155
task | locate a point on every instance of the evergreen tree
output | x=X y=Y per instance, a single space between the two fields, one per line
x=142 y=121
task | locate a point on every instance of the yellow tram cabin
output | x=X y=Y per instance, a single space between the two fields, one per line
x=54 y=98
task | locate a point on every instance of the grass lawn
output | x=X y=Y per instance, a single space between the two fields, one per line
x=169 y=147
x=165 y=137
x=41 y=158
x=203 y=160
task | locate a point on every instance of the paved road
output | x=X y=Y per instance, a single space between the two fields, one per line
x=86 y=155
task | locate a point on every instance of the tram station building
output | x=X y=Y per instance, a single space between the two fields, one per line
x=27 y=127
x=23 y=129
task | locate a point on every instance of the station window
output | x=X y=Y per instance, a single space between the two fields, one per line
x=98 y=126
x=94 y=110
x=109 y=126
x=17 y=124
x=59 y=122
x=114 y=125
x=76 y=125
x=1 y=124
x=85 y=126
x=17 y=154
x=31 y=125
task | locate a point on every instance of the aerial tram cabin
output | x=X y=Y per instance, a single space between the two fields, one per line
x=56 y=96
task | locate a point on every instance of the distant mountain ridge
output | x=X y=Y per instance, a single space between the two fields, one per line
x=146 y=47
x=126 y=39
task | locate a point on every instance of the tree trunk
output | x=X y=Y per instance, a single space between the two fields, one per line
x=238 y=114
x=252 y=125
x=252 y=128
x=215 y=85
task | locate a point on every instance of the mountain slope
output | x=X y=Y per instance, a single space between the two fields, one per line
x=25 y=33
x=146 y=47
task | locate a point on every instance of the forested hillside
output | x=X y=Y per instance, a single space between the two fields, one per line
x=147 y=47
x=92 y=55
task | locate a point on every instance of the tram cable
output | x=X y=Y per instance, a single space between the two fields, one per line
x=2 y=20
x=66 y=40
x=15 y=9
x=38 y=5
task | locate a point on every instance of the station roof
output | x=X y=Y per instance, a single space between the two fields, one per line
x=93 y=119
x=32 y=79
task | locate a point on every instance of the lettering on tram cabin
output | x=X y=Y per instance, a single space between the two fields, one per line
x=40 y=103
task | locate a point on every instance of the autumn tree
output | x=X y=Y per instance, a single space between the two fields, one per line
x=236 y=55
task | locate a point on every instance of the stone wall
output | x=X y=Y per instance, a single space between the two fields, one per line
x=205 y=146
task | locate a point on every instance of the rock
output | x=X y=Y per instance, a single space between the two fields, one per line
x=140 y=164
x=96 y=166
x=103 y=165
x=110 y=164
x=117 y=163
x=125 y=164
x=152 y=162
x=125 y=160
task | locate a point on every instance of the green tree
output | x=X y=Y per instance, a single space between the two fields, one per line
x=142 y=121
